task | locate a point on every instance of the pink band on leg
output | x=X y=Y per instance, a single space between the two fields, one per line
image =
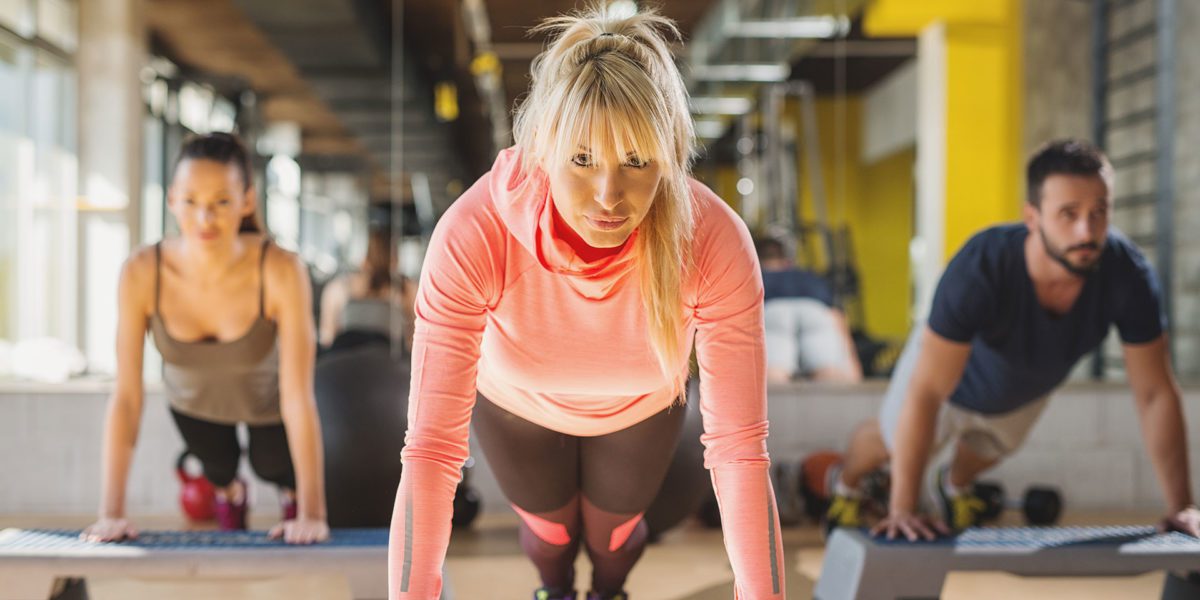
x=621 y=533
x=547 y=531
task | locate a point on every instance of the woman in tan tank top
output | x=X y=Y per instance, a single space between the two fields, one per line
x=231 y=315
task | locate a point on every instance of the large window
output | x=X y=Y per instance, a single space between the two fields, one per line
x=38 y=172
x=14 y=146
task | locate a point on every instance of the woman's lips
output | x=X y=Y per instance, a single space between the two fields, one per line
x=606 y=223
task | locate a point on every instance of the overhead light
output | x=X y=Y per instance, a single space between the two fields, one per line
x=764 y=73
x=718 y=105
x=710 y=128
x=745 y=186
x=797 y=28
x=622 y=9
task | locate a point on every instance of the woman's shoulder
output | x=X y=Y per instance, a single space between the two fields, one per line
x=141 y=264
x=475 y=205
x=279 y=264
x=714 y=219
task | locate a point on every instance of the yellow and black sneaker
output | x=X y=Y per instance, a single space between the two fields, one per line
x=844 y=511
x=962 y=510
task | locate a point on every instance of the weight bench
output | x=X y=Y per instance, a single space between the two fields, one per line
x=34 y=562
x=859 y=566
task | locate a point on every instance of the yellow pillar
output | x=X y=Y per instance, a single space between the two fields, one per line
x=981 y=174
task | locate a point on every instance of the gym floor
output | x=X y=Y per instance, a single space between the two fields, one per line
x=689 y=563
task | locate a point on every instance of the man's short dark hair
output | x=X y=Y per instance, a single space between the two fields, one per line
x=1064 y=157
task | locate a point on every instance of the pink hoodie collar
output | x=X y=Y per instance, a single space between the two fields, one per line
x=524 y=204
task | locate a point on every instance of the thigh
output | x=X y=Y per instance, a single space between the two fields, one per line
x=897 y=390
x=269 y=444
x=537 y=468
x=997 y=436
x=622 y=471
x=215 y=444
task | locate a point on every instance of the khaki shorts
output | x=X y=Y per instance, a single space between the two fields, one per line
x=991 y=436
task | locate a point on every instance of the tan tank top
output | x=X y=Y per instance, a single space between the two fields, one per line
x=223 y=382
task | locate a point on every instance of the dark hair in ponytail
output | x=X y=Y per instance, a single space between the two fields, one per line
x=380 y=260
x=225 y=148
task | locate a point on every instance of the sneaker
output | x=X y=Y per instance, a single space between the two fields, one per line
x=844 y=511
x=231 y=516
x=962 y=511
x=287 y=506
x=545 y=593
x=621 y=595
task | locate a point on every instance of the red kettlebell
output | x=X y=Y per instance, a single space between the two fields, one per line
x=197 y=496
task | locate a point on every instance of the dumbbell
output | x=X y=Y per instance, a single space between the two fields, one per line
x=466 y=505
x=467 y=502
x=710 y=513
x=1040 y=505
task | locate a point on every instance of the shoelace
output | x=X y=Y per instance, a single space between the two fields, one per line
x=845 y=511
x=967 y=507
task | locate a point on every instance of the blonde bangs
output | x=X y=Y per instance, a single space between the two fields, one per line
x=608 y=111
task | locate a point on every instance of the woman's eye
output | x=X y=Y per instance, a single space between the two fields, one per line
x=636 y=162
x=582 y=160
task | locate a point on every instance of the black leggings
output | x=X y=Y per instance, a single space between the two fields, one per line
x=216 y=446
x=570 y=489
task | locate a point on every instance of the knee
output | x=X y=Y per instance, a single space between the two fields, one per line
x=275 y=466
x=630 y=534
x=612 y=532
x=982 y=447
x=220 y=471
x=869 y=431
x=548 y=531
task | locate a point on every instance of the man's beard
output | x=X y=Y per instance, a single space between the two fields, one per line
x=1061 y=256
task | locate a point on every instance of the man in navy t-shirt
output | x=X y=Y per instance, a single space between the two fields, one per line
x=1016 y=308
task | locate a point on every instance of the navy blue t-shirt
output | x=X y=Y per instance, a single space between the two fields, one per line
x=1019 y=350
x=796 y=283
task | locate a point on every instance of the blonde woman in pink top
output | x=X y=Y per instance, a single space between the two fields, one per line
x=567 y=287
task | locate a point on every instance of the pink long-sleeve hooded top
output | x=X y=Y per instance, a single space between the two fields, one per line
x=507 y=307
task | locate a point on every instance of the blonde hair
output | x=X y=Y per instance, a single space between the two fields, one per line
x=609 y=82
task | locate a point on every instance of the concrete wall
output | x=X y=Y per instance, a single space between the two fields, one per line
x=1087 y=443
x=1057 y=71
x=1187 y=190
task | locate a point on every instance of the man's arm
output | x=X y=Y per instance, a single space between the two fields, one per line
x=1157 y=397
x=939 y=367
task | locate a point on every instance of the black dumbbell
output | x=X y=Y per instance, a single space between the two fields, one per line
x=466 y=505
x=1041 y=505
x=467 y=502
x=710 y=513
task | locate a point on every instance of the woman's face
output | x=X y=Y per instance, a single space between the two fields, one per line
x=602 y=196
x=209 y=199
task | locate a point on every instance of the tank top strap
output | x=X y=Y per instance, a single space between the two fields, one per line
x=157 y=273
x=262 y=278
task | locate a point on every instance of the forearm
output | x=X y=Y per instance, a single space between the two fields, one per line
x=1166 y=443
x=914 y=435
x=750 y=526
x=304 y=442
x=120 y=438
